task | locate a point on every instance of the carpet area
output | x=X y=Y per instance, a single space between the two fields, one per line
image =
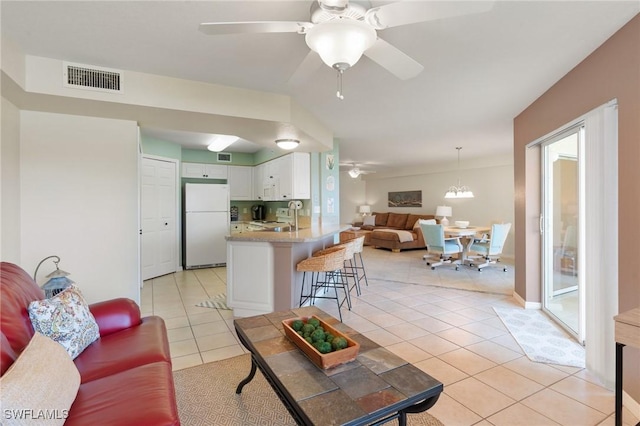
x=206 y=395
x=542 y=339
x=218 y=302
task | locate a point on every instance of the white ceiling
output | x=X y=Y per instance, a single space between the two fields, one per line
x=480 y=70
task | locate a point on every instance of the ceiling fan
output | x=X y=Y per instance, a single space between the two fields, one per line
x=356 y=171
x=340 y=32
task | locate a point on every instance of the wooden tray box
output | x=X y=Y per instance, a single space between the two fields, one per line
x=324 y=361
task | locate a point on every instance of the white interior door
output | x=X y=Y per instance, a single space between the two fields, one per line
x=158 y=211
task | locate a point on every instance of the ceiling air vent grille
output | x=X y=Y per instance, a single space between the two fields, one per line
x=92 y=78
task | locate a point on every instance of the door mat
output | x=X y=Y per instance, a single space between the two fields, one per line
x=218 y=302
x=542 y=339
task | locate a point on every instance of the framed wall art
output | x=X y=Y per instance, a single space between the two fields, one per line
x=405 y=199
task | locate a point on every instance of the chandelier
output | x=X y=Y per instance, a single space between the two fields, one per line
x=458 y=191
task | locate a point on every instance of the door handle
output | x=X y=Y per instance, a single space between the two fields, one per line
x=541 y=224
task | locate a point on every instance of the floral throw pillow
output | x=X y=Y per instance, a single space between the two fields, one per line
x=66 y=319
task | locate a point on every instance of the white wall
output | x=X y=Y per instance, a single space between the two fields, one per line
x=492 y=187
x=352 y=196
x=79 y=200
x=10 y=187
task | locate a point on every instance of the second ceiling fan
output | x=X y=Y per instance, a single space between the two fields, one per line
x=340 y=32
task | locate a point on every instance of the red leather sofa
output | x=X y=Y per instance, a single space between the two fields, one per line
x=126 y=376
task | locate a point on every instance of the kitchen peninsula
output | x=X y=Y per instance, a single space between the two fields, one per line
x=261 y=267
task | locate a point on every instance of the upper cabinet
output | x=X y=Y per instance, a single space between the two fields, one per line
x=295 y=176
x=283 y=178
x=240 y=182
x=204 y=171
x=287 y=177
x=258 y=178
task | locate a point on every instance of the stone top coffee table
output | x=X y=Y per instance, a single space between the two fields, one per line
x=376 y=387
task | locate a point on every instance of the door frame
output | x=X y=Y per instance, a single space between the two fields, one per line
x=600 y=260
x=178 y=214
x=546 y=246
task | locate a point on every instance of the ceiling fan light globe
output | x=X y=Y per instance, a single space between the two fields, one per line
x=341 y=40
x=354 y=173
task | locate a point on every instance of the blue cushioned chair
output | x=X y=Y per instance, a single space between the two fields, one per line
x=489 y=248
x=443 y=248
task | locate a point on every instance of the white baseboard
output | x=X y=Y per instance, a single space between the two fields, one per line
x=525 y=304
x=631 y=404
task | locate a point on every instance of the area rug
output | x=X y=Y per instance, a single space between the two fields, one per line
x=542 y=339
x=218 y=302
x=206 y=395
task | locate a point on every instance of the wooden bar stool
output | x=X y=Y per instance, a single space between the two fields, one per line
x=348 y=268
x=351 y=268
x=326 y=273
x=359 y=273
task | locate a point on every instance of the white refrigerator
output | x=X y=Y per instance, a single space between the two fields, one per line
x=206 y=224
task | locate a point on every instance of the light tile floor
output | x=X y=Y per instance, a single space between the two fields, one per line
x=441 y=321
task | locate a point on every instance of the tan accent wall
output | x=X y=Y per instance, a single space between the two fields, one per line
x=611 y=72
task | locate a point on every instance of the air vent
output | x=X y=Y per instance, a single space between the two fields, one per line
x=92 y=78
x=224 y=157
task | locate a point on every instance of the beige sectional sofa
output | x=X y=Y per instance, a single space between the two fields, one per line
x=395 y=231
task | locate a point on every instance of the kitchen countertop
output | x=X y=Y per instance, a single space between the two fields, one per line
x=308 y=234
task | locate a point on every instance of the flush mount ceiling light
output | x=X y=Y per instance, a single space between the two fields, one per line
x=287 y=143
x=458 y=191
x=220 y=142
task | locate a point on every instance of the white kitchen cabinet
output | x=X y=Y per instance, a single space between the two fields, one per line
x=271 y=180
x=285 y=178
x=239 y=227
x=295 y=176
x=240 y=182
x=258 y=182
x=250 y=278
x=204 y=171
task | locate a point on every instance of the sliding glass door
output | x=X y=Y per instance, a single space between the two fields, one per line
x=563 y=289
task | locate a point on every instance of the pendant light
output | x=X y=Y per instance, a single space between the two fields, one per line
x=458 y=191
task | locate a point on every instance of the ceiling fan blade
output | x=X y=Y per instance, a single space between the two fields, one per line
x=394 y=60
x=218 y=28
x=411 y=12
x=310 y=64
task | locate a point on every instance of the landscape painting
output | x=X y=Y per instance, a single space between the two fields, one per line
x=405 y=199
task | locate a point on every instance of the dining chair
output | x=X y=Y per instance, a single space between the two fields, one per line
x=439 y=247
x=489 y=248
